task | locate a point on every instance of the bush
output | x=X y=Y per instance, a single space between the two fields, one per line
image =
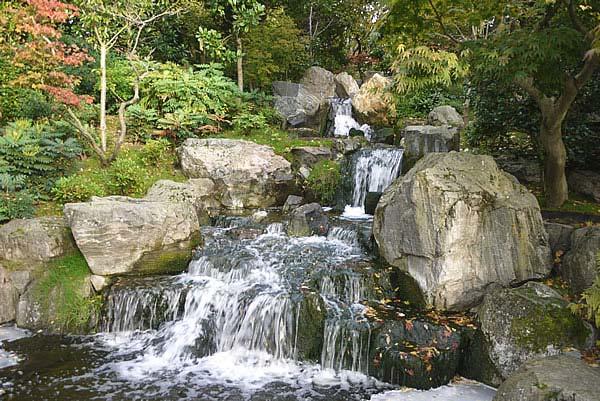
x=38 y=152
x=126 y=176
x=15 y=205
x=247 y=122
x=418 y=104
x=324 y=181
x=155 y=151
x=77 y=188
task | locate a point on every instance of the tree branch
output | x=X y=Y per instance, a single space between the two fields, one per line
x=528 y=86
x=76 y=122
x=577 y=24
x=440 y=21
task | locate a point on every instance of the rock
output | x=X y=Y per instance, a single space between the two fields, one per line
x=345 y=86
x=308 y=220
x=319 y=82
x=246 y=175
x=308 y=156
x=559 y=236
x=99 y=282
x=259 y=216
x=286 y=89
x=383 y=135
x=39 y=239
x=528 y=322
x=304 y=172
x=292 y=202
x=346 y=146
x=302 y=110
x=556 y=378
x=420 y=140
x=119 y=235
x=373 y=104
x=456 y=223
x=403 y=353
x=371 y=201
x=9 y=297
x=527 y=171
x=445 y=115
x=579 y=268
x=585 y=183
x=200 y=193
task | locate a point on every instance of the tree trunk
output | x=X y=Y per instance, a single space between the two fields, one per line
x=555 y=160
x=103 y=52
x=240 y=64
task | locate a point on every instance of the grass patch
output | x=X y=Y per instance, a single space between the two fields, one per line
x=324 y=181
x=63 y=294
x=281 y=141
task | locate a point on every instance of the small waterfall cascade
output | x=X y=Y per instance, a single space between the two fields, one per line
x=253 y=300
x=343 y=122
x=373 y=170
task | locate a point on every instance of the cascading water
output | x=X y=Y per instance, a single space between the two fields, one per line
x=343 y=122
x=373 y=170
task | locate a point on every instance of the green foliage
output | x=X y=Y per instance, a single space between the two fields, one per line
x=154 y=152
x=282 y=142
x=38 y=152
x=15 y=205
x=62 y=290
x=77 y=188
x=120 y=78
x=419 y=103
x=589 y=307
x=275 y=51
x=246 y=122
x=214 y=47
x=324 y=180
x=422 y=68
x=132 y=174
x=186 y=99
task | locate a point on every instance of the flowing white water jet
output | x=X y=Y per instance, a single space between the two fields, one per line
x=343 y=120
x=374 y=170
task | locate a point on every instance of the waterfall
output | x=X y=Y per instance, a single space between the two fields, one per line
x=373 y=170
x=248 y=300
x=343 y=122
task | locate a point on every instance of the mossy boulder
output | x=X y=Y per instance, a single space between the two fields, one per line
x=120 y=236
x=60 y=298
x=528 y=322
x=311 y=321
x=557 y=378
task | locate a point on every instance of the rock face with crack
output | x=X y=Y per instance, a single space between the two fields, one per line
x=244 y=174
x=119 y=235
x=456 y=223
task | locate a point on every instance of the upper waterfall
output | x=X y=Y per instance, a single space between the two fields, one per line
x=343 y=122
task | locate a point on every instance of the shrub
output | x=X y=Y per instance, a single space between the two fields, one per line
x=324 y=181
x=155 y=151
x=15 y=205
x=589 y=307
x=126 y=176
x=77 y=188
x=247 y=122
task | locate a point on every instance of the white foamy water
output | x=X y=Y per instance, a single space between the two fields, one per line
x=344 y=122
x=10 y=333
x=454 y=392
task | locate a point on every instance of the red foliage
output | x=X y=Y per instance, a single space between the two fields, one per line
x=37 y=49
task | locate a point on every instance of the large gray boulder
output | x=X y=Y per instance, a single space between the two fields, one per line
x=37 y=239
x=456 y=223
x=245 y=174
x=580 y=264
x=420 y=140
x=373 y=103
x=346 y=86
x=119 y=235
x=319 y=82
x=559 y=237
x=301 y=108
x=525 y=323
x=199 y=193
x=527 y=171
x=557 y=378
x=585 y=183
x=445 y=115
